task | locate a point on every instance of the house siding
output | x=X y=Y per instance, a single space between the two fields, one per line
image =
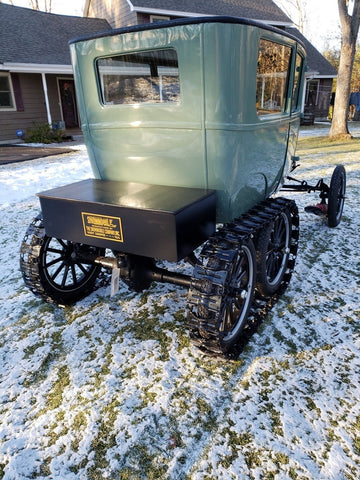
x=34 y=108
x=117 y=13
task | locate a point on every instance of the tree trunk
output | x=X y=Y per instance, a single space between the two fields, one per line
x=339 y=125
x=349 y=33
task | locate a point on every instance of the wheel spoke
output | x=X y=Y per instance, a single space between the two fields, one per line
x=53 y=262
x=240 y=278
x=82 y=268
x=54 y=275
x=66 y=273
x=228 y=317
x=223 y=326
x=55 y=250
x=73 y=271
x=62 y=243
x=237 y=304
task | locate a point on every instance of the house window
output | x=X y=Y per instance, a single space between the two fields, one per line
x=142 y=77
x=312 y=93
x=158 y=18
x=272 y=77
x=7 y=101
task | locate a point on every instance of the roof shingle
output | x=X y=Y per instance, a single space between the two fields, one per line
x=264 y=10
x=34 y=37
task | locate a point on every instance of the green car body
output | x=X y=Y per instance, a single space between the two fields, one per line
x=222 y=129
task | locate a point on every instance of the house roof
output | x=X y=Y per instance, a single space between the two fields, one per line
x=264 y=10
x=33 y=37
x=318 y=66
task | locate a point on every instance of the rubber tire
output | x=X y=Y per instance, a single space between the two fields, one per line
x=336 y=197
x=265 y=285
x=68 y=294
x=230 y=339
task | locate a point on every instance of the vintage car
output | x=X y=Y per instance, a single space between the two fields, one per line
x=191 y=129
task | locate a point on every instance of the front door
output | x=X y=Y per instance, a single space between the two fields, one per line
x=68 y=102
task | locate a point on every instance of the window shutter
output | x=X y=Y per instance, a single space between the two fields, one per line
x=17 y=92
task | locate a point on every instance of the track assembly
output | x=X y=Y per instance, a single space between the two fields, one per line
x=225 y=302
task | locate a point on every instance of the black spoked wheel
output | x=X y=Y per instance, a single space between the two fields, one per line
x=67 y=279
x=273 y=250
x=238 y=296
x=336 y=197
x=53 y=268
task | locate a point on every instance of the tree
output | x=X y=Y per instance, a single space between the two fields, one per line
x=355 y=77
x=349 y=12
x=36 y=5
x=296 y=10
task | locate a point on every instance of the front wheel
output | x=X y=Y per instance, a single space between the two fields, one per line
x=336 y=197
x=53 y=269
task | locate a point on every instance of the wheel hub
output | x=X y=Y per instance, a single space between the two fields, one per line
x=69 y=254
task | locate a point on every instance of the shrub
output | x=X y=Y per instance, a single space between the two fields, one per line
x=43 y=133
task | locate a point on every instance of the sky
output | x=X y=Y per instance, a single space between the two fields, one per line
x=321 y=27
x=322 y=24
x=61 y=7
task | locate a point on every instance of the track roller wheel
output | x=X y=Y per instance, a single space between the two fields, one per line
x=336 y=198
x=222 y=296
x=52 y=268
x=273 y=250
x=238 y=296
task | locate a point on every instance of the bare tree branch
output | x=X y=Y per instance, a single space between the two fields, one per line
x=296 y=10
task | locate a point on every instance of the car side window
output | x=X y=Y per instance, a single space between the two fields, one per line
x=272 y=77
x=297 y=78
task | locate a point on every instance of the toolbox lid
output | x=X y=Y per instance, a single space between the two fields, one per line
x=159 y=198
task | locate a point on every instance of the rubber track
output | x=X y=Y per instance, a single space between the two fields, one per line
x=210 y=276
x=30 y=259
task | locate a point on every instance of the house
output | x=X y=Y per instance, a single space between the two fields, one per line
x=133 y=12
x=36 y=79
x=319 y=81
x=320 y=74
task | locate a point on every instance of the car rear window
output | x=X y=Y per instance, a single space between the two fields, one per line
x=141 y=77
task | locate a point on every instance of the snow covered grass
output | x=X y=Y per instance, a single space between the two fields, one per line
x=111 y=388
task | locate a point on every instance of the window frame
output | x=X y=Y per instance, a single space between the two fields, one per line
x=286 y=100
x=12 y=95
x=159 y=18
x=100 y=80
x=312 y=80
x=296 y=99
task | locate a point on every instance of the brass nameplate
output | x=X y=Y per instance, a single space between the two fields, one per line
x=102 y=226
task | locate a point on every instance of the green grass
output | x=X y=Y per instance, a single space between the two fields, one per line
x=307 y=145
